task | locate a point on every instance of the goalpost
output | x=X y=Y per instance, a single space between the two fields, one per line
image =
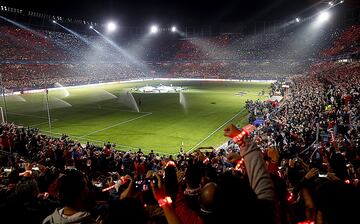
x=2 y=115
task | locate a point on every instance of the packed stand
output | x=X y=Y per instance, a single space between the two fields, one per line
x=314 y=137
x=68 y=59
x=304 y=178
x=21 y=77
x=347 y=43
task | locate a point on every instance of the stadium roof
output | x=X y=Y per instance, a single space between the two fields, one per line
x=190 y=12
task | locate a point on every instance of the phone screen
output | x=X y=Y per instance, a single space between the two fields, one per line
x=142 y=185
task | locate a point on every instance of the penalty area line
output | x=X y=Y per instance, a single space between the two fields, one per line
x=45 y=122
x=98 y=107
x=217 y=129
x=117 y=124
x=28 y=115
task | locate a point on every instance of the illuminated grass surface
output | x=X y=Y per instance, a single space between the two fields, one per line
x=162 y=124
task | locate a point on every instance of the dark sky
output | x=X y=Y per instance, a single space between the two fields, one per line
x=189 y=12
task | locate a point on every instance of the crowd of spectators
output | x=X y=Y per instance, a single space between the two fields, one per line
x=310 y=145
x=300 y=165
x=28 y=57
x=314 y=133
x=33 y=76
x=347 y=43
x=66 y=58
x=246 y=70
x=21 y=44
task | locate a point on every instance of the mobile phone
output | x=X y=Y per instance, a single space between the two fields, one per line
x=141 y=185
x=322 y=175
x=144 y=185
x=99 y=185
x=36 y=168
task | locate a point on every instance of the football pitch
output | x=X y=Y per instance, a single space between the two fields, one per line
x=99 y=114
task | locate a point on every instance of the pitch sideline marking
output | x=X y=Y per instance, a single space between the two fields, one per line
x=217 y=129
x=115 y=109
x=114 y=125
x=28 y=115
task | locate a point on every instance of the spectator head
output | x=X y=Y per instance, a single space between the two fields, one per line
x=209 y=175
x=192 y=176
x=73 y=189
x=14 y=176
x=207 y=198
x=234 y=195
x=338 y=166
x=27 y=189
x=171 y=181
x=337 y=202
x=127 y=210
x=70 y=164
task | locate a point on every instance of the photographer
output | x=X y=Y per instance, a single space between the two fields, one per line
x=74 y=193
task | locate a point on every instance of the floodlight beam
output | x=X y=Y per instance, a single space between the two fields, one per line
x=323 y=16
x=111 y=26
x=154 y=29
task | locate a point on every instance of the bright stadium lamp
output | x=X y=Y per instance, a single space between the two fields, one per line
x=90 y=27
x=111 y=26
x=323 y=16
x=297 y=20
x=154 y=29
x=173 y=29
x=330 y=3
x=54 y=21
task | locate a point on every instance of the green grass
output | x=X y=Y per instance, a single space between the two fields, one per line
x=162 y=124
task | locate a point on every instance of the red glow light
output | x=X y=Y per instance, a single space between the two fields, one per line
x=306 y=222
x=239 y=164
x=108 y=188
x=206 y=160
x=165 y=201
x=170 y=163
x=290 y=197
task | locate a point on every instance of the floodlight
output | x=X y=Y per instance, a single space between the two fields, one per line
x=54 y=21
x=297 y=20
x=91 y=27
x=342 y=1
x=323 y=16
x=173 y=29
x=330 y=3
x=154 y=29
x=111 y=26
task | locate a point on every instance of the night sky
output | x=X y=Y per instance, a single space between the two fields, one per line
x=189 y=12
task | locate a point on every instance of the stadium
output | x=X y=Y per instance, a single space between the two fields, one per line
x=229 y=112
